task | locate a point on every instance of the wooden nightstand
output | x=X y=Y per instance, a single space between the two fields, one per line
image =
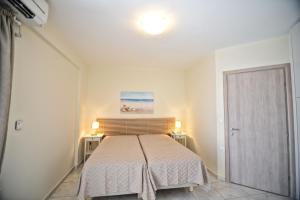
x=181 y=138
x=87 y=144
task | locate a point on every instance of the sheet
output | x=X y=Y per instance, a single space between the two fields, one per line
x=170 y=163
x=117 y=166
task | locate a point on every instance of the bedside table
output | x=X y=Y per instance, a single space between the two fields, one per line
x=181 y=138
x=87 y=144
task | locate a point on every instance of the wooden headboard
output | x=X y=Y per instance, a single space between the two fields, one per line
x=138 y=126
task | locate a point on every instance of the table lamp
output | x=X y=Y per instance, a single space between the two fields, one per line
x=178 y=127
x=95 y=127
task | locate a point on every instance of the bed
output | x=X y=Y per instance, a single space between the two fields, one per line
x=137 y=156
x=116 y=167
x=170 y=164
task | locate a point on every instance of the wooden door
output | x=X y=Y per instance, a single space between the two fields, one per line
x=295 y=46
x=258 y=129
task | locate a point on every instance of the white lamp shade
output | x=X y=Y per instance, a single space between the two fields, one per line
x=95 y=125
x=178 y=124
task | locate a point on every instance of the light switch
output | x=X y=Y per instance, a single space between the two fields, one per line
x=18 y=125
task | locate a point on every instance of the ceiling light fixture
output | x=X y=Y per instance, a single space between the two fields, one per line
x=154 y=22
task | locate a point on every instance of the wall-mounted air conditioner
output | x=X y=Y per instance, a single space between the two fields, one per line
x=34 y=12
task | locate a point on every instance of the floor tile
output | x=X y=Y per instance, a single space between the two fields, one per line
x=249 y=191
x=231 y=192
x=276 y=197
x=63 y=198
x=73 y=176
x=66 y=189
x=211 y=194
x=266 y=196
x=219 y=190
x=219 y=185
x=176 y=194
x=212 y=178
x=121 y=197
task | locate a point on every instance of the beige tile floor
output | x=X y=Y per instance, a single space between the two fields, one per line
x=219 y=191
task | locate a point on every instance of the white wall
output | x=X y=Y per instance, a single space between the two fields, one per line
x=46 y=97
x=82 y=119
x=105 y=85
x=295 y=57
x=49 y=33
x=262 y=53
x=201 y=110
x=55 y=40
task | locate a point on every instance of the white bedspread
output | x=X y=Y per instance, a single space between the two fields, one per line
x=170 y=163
x=117 y=166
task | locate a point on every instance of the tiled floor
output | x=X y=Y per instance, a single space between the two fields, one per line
x=219 y=191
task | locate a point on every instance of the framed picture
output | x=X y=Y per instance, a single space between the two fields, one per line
x=136 y=102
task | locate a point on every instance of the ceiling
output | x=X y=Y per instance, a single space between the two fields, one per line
x=103 y=32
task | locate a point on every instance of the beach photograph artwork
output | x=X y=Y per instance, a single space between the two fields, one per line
x=136 y=102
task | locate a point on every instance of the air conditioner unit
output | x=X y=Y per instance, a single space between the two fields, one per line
x=33 y=12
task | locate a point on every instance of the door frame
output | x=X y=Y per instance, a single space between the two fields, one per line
x=290 y=121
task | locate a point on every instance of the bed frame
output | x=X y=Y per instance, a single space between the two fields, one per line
x=140 y=126
x=135 y=126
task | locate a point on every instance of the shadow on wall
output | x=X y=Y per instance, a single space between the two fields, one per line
x=81 y=151
x=191 y=144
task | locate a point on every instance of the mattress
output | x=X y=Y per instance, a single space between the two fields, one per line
x=170 y=164
x=117 y=166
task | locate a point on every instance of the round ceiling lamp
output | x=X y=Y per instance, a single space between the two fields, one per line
x=154 y=22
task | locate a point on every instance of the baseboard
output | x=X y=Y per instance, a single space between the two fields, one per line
x=61 y=180
x=221 y=178
x=216 y=175
x=79 y=163
x=212 y=172
x=57 y=184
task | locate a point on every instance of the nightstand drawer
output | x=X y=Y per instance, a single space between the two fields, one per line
x=93 y=139
x=179 y=136
x=89 y=144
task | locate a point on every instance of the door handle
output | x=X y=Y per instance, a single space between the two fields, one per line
x=233 y=130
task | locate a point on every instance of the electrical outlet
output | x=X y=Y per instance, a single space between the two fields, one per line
x=18 y=125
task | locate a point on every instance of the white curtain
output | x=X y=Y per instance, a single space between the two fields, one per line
x=6 y=69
